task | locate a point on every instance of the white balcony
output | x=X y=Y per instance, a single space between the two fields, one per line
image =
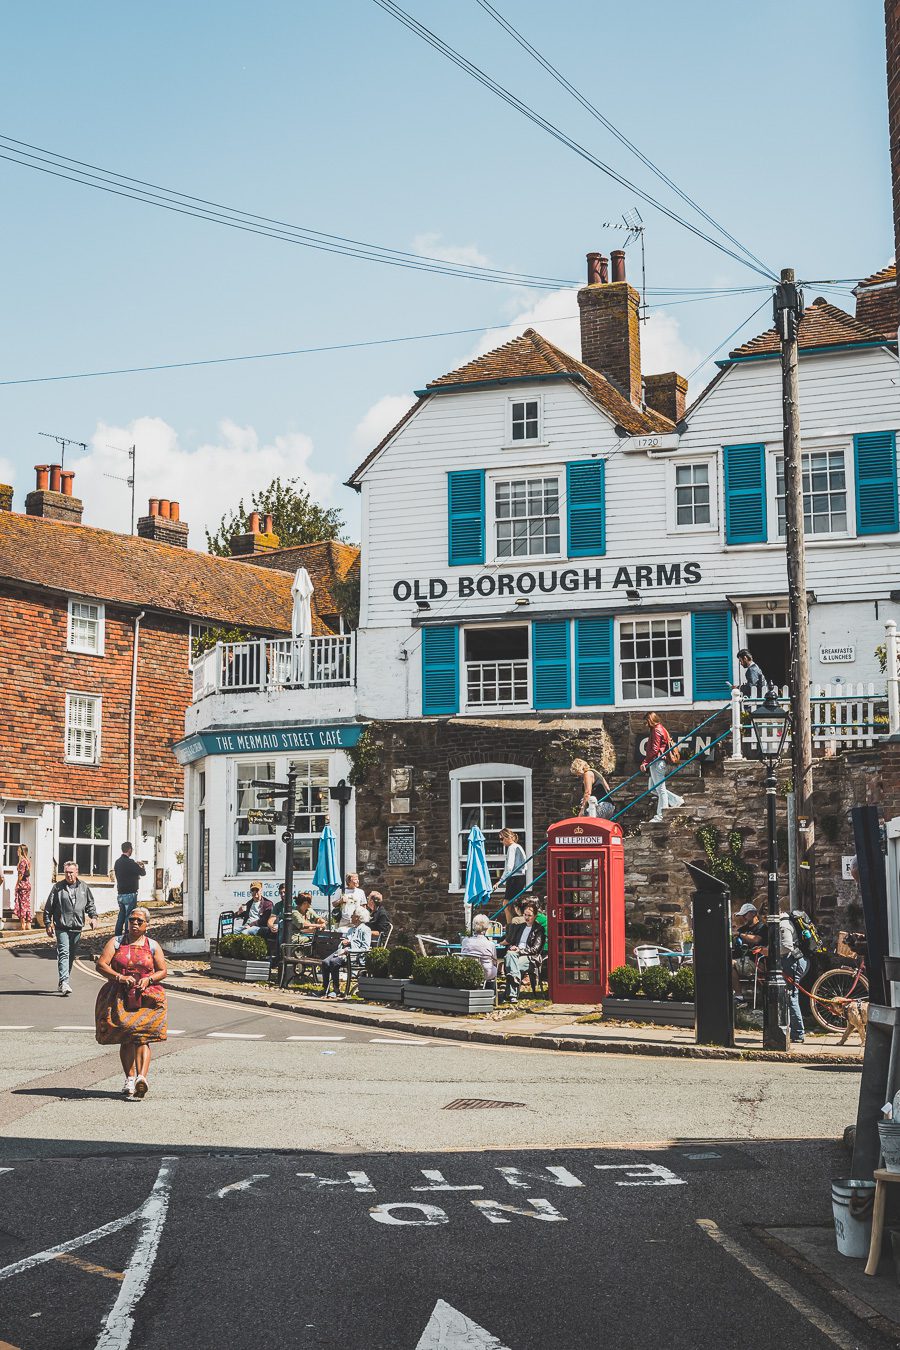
x=267 y=664
x=496 y=684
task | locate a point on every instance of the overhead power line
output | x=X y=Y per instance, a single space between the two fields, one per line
x=526 y=110
x=604 y=121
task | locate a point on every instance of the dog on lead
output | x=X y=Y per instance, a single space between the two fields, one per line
x=856 y=1011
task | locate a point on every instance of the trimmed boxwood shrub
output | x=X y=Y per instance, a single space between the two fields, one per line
x=457 y=972
x=656 y=982
x=683 y=984
x=400 y=962
x=624 y=982
x=244 y=947
x=422 y=968
x=377 y=961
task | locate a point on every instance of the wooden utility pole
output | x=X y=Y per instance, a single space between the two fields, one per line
x=788 y=307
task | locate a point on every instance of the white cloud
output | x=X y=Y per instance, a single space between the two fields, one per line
x=7 y=471
x=432 y=246
x=207 y=480
x=379 y=420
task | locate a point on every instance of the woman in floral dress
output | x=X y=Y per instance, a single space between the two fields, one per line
x=22 y=904
x=131 y=1007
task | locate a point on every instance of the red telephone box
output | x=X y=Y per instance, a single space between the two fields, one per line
x=585 y=907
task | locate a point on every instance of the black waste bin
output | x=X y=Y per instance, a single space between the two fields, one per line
x=714 y=1003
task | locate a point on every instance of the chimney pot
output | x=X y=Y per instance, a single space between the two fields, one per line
x=254 y=522
x=66 y=476
x=604 y=268
x=55 y=471
x=270 y=528
x=174 y=511
x=43 y=476
x=617 y=257
x=154 y=506
x=593 y=269
x=165 y=508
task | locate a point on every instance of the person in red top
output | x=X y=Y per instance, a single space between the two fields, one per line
x=654 y=763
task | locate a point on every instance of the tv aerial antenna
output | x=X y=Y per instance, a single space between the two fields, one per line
x=62 y=442
x=633 y=225
x=131 y=452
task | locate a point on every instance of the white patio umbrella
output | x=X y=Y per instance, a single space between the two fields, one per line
x=301 y=616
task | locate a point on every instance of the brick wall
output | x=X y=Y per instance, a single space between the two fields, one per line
x=36 y=670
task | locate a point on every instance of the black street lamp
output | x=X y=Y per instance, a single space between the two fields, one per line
x=771 y=724
x=341 y=793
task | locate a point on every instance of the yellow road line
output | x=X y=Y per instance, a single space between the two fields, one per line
x=820 y=1320
x=89 y=1266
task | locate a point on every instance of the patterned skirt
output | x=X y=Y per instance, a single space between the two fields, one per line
x=115 y=1023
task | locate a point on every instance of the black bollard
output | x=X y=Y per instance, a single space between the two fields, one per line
x=713 y=1000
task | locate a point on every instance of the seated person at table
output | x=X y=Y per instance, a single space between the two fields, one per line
x=481 y=947
x=378 y=919
x=254 y=916
x=304 y=922
x=358 y=938
x=525 y=940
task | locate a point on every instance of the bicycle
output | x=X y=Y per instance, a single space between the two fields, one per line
x=833 y=988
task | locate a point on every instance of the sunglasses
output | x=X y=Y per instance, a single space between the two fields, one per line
x=141 y=921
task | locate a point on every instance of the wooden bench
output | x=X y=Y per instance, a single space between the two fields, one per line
x=883 y=1179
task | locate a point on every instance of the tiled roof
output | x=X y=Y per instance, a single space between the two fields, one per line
x=326 y=562
x=822 y=325
x=524 y=357
x=121 y=568
x=886 y=274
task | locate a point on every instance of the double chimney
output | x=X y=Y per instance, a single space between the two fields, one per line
x=611 y=338
x=260 y=537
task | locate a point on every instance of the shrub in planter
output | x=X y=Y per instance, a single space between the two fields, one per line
x=624 y=982
x=683 y=984
x=656 y=982
x=457 y=972
x=423 y=968
x=244 y=947
x=377 y=961
x=400 y=962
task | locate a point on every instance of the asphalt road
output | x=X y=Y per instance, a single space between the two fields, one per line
x=281 y=1191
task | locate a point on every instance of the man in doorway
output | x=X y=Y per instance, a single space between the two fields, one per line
x=754 y=684
x=68 y=903
x=128 y=876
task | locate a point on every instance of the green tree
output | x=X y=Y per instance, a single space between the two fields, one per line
x=296 y=518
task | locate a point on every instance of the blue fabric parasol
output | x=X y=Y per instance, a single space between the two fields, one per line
x=326 y=877
x=478 y=878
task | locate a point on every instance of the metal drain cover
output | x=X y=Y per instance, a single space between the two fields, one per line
x=477 y=1104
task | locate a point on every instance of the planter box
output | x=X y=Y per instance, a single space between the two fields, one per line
x=661 y=1012
x=380 y=988
x=227 y=968
x=428 y=999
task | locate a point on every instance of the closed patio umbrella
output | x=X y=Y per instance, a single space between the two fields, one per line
x=478 y=878
x=301 y=615
x=327 y=878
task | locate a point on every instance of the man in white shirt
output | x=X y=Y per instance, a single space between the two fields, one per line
x=353 y=897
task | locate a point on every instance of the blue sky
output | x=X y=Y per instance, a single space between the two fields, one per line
x=335 y=117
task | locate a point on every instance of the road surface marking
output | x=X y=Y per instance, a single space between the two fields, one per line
x=73 y=1028
x=427 y=1215
x=89 y=1267
x=821 y=1321
x=494 y=1211
x=119 y=1325
x=438 y=1182
x=238 y=1186
x=358 y=1180
x=451 y=1330
x=235 y=1035
x=642 y=1174
x=316 y=1038
x=14 y=1027
x=391 y=1040
x=559 y=1176
x=173 y=1032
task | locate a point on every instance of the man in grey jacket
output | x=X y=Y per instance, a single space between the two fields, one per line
x=68 y=903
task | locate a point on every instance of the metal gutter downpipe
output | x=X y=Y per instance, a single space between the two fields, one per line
x=131 y=716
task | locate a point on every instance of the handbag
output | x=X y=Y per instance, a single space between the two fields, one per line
x=673 y=754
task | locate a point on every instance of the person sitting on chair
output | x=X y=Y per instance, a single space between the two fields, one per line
x=254 y=916
x=481 y=947
x=378 y=919
x=358 y=938
x=304 y=923
x=524 y=947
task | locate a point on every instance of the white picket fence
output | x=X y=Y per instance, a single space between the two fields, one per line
x=843 y=718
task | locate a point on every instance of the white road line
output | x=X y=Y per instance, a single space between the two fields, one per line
x=238 y=1186
x=391 y=1040
x=173 y=1032
x=73 y=1028
x=316 y=1038
x=15 y=1027
x=820 y=1320
x=119 y=1324
x=235 y=1035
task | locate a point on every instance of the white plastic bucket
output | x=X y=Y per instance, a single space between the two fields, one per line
x=889 y=1133
x=852 y=1201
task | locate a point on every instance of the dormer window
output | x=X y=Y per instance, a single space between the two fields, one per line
x=524 y=421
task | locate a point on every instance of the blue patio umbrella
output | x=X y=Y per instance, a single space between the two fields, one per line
x=478 y=878
x=326 y=877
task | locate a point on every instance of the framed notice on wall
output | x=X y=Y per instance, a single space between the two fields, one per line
x=401 y=845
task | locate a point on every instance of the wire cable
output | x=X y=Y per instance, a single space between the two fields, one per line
x=518 y=105
x=726 y=340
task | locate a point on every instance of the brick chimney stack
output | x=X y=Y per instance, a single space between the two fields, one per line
x=666 y=394
x=877 y=306
x=52 y=497
x=163 y=524
x=6 y=496
x=610 y=327
x=259 y=538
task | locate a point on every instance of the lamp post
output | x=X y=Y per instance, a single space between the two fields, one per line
x=341 y=793
x=771 y=724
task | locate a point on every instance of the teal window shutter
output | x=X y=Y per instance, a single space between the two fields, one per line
x=594 y=661
x=875 y=454
x=586 y=508
x=440 y=670
x=745 y=494
x=711 y=655
x=550 y=664
x=465 y=504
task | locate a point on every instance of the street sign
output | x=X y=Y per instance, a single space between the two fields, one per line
x=268 y=816
x=287 y=836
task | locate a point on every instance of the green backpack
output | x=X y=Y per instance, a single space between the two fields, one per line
x=808 y=938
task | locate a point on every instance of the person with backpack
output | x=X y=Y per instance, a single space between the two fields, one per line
x=661 y=757
x=798 y=940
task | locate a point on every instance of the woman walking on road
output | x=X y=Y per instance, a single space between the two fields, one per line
x=131 y=1007
x=660 y=760
x=22 y=903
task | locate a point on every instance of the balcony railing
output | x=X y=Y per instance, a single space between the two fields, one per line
x=844 y=717
x=276 y=663
x=496 y=684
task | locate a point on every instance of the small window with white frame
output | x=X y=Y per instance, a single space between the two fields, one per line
x=526 y=517
x=825 y=499
x=83 y=719
x=86 y=627
x=84 y=839
x=493 y=797
x=197 y=641
x=692 y=492
x=651 y=659
x=254 y=838
x=496 y=667
x=524 y=421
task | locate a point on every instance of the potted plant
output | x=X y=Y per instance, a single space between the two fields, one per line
x=652 y=995
x=242 y=956
x=451 y=984
x=386 y=974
